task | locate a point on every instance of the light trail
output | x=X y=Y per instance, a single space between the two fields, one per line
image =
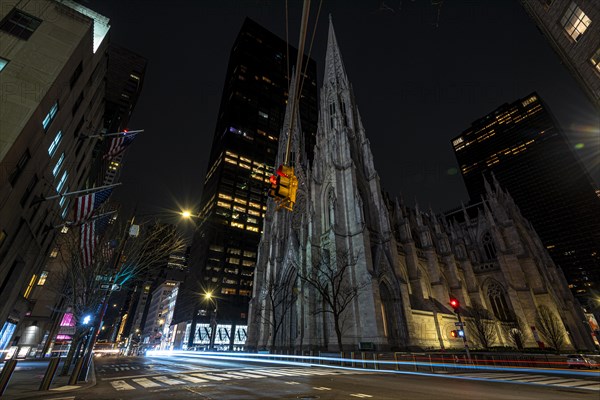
x=272 y=359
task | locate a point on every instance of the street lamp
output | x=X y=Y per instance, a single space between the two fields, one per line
x=213 y=319
x=187 y=214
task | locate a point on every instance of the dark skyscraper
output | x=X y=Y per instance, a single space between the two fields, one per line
x=522 y=145
x=234 y=198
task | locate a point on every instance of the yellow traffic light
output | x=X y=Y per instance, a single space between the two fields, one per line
x=284 y=186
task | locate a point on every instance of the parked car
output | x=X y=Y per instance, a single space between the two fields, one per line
x=579 y=361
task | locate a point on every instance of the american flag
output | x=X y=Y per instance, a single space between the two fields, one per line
x=88 y=243
x=86 y=204
x=90 y=231
x=118 y=145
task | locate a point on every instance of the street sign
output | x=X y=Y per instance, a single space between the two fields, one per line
x=104 y=286
x=458 y=324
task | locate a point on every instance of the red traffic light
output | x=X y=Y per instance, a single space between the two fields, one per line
x=454 y=303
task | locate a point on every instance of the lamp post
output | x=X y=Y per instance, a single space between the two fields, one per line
x=213 y=319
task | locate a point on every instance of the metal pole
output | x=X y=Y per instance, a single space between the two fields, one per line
x=50 y=372
x=123 y=133
x=464 y=336
x=9 y=367
x=213 y=330
x=83 y=191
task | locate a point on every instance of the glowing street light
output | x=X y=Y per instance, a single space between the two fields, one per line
x=187 y=214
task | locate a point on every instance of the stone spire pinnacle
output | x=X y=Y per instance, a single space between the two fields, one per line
x=294 y=131
x=335 y=73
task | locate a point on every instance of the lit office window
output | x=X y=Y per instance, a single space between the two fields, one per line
x=596 y=60
x=575 y=21
x=59 y=163
x=43 y=277
x=50 y=116
x=30 y=286
x=61 y=183
x=55 y=143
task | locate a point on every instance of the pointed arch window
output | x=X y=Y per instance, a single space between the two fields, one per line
x=331 y=114
x=497 y=297
x=488 y=246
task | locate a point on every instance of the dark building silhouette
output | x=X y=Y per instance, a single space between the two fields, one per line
x=233 y=203
x=523 y=146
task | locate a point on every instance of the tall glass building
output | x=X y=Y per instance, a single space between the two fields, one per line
x=234 y=198
x=522 y=145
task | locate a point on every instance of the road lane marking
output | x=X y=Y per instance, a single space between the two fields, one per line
x=167 y=380
x=231 y=376
x=321 y=388
x=190 y=378
x=121 y=385
x=292 y=383
x=211 y=377
x=145 y=382
x=248 y=375
x=66 y=387
x=362 y=395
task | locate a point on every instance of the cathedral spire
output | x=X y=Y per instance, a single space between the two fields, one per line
x=335 y=73
x=294 y=131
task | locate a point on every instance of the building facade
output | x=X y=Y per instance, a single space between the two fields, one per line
x=572 y=27
x=53 y=63
x=160 y=313
x=242 y=158
x=523 y=146
x=393 y=268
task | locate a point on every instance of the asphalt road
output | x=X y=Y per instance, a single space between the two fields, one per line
x=196 y=378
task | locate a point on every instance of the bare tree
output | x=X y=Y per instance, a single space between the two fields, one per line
x=83 y=289
x=277 y=298
x=331 y=278
x=481 y=325
x=550 y=327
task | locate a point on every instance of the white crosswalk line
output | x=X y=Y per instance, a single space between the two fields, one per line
x=230 y=375
x=121 y=385
x=250 y=375
x=211 y=377
x=190 y=378
x=145 y=382
x=167 y=380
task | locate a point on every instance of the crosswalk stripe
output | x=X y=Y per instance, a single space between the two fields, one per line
x=145 y=382
x=121 y=385
x=250 y=375
x=211 y=377
x=230 y=376
x=571 y=383
x=167 y=380
x=539 y=379
x=190 y=378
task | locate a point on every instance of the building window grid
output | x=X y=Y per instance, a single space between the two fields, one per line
x=20 y=24
x=595 y=60
x=575 y=21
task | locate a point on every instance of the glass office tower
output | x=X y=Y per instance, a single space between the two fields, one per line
x=234 y=199
x=527 y=152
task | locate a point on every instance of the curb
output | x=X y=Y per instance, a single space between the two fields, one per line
x=57 y=391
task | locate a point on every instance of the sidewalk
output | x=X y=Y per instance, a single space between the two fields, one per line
x=28 y=375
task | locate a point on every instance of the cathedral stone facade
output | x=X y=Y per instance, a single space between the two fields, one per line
x=399 y=266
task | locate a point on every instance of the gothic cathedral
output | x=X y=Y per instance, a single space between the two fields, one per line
x=350 y=267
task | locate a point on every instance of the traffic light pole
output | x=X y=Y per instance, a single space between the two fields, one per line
x=464 y=335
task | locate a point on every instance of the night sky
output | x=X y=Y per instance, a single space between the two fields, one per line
x=419 y=81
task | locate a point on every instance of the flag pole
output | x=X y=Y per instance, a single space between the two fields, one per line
x=68 y=223
x=123 y=133
x=81 y=191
